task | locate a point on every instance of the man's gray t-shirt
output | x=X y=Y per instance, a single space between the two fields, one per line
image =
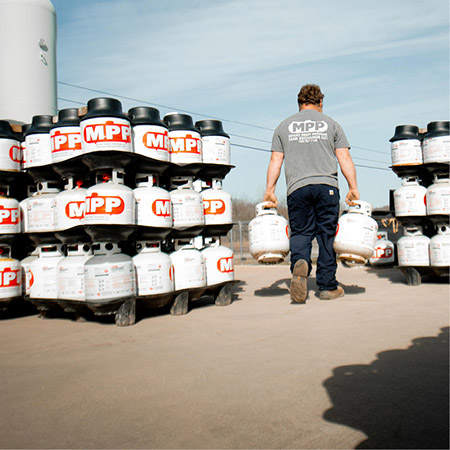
x=308 y=140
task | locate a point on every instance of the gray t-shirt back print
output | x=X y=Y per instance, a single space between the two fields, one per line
x=308 y=140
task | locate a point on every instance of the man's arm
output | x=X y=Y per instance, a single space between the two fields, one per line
x=349 y=172
x=273 y=173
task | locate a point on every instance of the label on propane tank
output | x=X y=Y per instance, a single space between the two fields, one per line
x=440 y=253
x=152 y=211
x=65 y=142
x=216 y=149
x=406 y=152
x=154 y=277
x=151 y=141
x=191 y=273
x=413 y=254
x=71 y=282
x=217 y=211
x=187 y=211
x=105 y=282
x=10 y=279
x=38 y=150
x=410 y=204
x=109 y=209
x=45 y=283
x=41 y=214
x=105 y=133
x=10 y=222
x=436 y=149
x=438 y=202
x=185 y=147
x=10 y=155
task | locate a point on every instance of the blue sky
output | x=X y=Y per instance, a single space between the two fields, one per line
x=379 y=63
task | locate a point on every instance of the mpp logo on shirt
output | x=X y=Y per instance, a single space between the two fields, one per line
x=308 y=126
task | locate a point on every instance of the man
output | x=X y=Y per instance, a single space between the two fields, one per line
x=309 y=143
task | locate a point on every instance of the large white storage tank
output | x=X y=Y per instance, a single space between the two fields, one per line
x=28 y=50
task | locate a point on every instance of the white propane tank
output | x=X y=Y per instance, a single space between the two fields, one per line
x=268 y=235
x=27 y=279
x=187 y=205
x=188 y=266
x=438 y=195
x=109 y=202
x=384 y=253
x=436 y=143
x=405 y=146
x=150 y=136
x=215 y=142
x=185 y=142
x=410 y=198
x=440 y=247
x=217 y=207
x=105 y=127
x=356 y=234
x=219 y=263
x=153 y=269
x=28 y=87
x=10 y=213
x=413 y=248
x=10 y=149
x=41 y=207
x=109 y=275
x=70 y=272
x=65 y=136
x=10 y=275
x=69 y=205
x=153 y=208
x=43 y=272
x=37 y=142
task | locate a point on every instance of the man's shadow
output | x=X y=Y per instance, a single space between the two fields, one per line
x=400 y=400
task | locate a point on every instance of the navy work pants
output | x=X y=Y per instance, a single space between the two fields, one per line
x=313 y=213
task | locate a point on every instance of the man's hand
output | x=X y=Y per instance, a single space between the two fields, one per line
x=353 y=194
x=272 y=199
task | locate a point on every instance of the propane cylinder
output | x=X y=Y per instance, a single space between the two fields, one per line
x=11 y=275
x=37 y=142
x=69 y=205
x=150 y=135
x=10 y=149
x=27 y=280
x=438 y=195
x=405 y=146
x=105 y=127
x=440 y=246
x=41 y=207
x=436 y=143
x=410 y=198
x=109 y=275
x=356 y=234
x=10 y=213
x=219 y=263
x=109 y=202
x=65 y=136
x=187 y=206
x=413 y=248
x=268 y=235
x=217 y=207
x=43 y=273
x=153 y=208
x=188 y=266
x=384 y=253
x=185 y=142
x=70 y=272
x=215 y=142
x=154 y=269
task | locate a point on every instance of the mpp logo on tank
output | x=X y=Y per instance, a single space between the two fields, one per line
x=109 y=132
x=161 y=207
x=97 y=204
x=65 y=141
x=75 y=210
x=225 y=265
x=9 y=216
x=157 y=141
x=213 y=206
x=9 y=277
x=186 y=144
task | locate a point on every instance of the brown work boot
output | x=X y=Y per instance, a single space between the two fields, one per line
x=331 y=295
x=299 y=288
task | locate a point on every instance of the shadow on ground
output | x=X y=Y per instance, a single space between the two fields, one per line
x=400 y=400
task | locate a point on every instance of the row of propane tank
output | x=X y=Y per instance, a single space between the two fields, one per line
x=100 y=273
x=412 y=199
x=110 y=202
x=356 y=240
x=106 y=128
x=410 y=147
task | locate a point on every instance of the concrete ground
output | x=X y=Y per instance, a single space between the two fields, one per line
x=369 y=370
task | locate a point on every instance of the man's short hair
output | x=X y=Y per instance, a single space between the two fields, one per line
x=310 y=94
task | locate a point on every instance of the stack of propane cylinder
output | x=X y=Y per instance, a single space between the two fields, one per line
x=422 y=202
x=122 y=208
